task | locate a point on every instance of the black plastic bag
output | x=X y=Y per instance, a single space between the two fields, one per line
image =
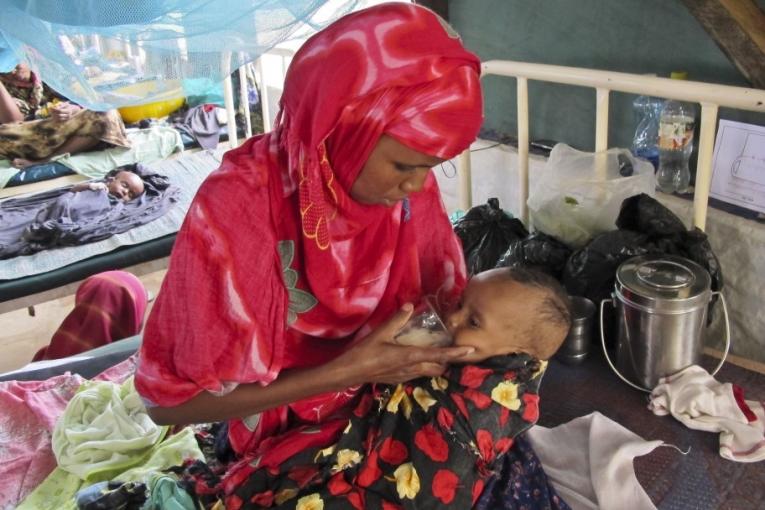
x=646 y=227
x=590 y=271
x=667 y=234
x=645 y=214
x=486 y=232
x=539 y=251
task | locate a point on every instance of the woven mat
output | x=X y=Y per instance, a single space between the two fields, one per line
x=700 y=480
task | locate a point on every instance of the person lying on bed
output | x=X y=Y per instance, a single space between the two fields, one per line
x=84 y=213
x=124 y=185
x=430 y=442
x=34 y=128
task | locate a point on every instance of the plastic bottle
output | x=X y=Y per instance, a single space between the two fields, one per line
x=675 y=144
x=645 y=143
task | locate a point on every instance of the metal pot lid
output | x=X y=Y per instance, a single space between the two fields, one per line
x=663 y=283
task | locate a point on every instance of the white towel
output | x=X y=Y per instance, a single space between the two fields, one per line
x=700 y=402
x=589 y=462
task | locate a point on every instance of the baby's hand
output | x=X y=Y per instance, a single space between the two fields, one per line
x=97 y=186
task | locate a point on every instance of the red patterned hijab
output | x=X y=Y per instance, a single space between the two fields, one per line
x=274 y=250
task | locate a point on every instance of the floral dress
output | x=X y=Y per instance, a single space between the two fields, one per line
x=429 y=443
x=38 y=135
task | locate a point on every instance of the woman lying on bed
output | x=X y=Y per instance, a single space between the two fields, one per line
x=34 y=128
x=127 y=197
x=287 y=280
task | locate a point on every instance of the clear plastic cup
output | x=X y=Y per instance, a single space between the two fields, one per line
x=424 y=328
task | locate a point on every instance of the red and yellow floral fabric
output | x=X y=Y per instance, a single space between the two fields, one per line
x=430 y=443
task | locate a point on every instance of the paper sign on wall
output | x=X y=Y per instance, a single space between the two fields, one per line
x=738 y=166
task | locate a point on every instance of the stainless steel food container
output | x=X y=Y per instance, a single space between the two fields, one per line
x=661 y=303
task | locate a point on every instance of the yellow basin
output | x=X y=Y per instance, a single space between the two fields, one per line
x=155 y=109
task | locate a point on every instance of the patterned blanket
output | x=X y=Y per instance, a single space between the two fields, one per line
x=429 y=443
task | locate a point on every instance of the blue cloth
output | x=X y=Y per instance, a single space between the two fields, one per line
x=36 y=173
x=520 y=484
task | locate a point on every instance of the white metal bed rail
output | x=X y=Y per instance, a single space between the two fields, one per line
x=228 y=92
x=711 y=97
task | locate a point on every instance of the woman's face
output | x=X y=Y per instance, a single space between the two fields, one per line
x=391 y=173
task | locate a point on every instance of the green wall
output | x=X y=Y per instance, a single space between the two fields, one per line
x=634 y=36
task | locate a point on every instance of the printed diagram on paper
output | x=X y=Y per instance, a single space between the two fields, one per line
x=739 y=165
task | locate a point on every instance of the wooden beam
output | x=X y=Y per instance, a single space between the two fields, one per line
x=738 y=28
x=751 y=19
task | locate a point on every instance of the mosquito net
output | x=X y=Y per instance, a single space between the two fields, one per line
x=110 y=53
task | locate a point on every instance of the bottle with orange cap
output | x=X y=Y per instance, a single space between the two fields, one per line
x=676 y=125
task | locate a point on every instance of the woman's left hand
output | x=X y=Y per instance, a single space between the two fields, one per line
x=61 y=112
x=377 y=358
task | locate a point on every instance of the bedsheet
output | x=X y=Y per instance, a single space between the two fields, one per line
x=186 y=172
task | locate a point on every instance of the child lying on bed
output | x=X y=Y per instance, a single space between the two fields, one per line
x=126 y=198
x=431 y=442
x=120 y=183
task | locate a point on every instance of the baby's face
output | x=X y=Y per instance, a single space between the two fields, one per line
x=495 y=315
x=126 y=186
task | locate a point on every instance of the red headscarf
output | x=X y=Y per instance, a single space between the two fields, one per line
x=276 y=265
x=108 y=306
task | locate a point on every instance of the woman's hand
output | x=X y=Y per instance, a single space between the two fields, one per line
x=375 y=359
x=378 y=359
x=61 y=112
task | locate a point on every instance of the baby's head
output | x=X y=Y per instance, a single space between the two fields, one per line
x=511 y=310
x=125 y=185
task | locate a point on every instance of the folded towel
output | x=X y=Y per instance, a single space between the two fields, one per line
x=700 y=402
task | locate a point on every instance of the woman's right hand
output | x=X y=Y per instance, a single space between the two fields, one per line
x=378 y=359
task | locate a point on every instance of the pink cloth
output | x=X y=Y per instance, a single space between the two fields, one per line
x=29 y=412
x=108 y=306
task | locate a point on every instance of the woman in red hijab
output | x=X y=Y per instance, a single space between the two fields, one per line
x=300 y=256
x=108 y=306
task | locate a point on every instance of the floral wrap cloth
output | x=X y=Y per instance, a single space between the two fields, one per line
x=429 y=443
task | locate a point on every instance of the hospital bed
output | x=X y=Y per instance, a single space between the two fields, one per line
x=697 y=479
x=711 y=96
x=139 y=254
x=29 y=280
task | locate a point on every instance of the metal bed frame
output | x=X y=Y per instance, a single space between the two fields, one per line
x=711 y=96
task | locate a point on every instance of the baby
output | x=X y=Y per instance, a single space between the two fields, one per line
x=430 y=442
x=504 y=311
x=121 y=184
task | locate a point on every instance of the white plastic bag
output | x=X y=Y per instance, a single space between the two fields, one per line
x=579 y=194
